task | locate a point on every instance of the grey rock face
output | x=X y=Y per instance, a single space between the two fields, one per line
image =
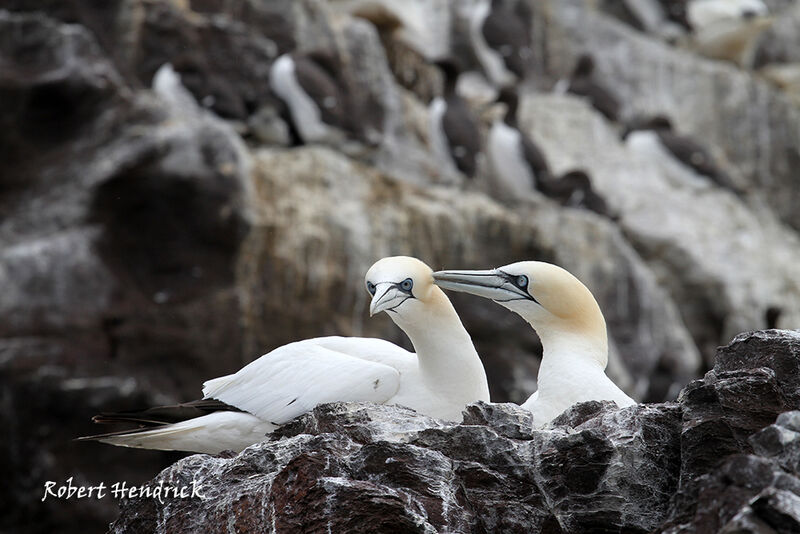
x=122 y=214
x=367 y=468
x=152 y=238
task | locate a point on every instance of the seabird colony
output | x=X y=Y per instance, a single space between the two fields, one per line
x=318 y=104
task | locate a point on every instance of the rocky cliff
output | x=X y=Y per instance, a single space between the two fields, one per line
x=156 y=231
x=724 y=458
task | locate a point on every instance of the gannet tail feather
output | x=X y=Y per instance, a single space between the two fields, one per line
x=161 y=415
x=211 y=434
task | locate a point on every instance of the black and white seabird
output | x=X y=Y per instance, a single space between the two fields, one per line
x=583 y=83
x=517 y=164
x=454 y=129
x=666 y=18
x=574 y=189
x=655 y=132
x=500 y=38
x=314 y=98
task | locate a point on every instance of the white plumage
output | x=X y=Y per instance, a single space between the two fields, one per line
x=568 y=321
x=439 y=380
x=492 y=61
x=305 y=113
x=512 y=176
x=728 y=29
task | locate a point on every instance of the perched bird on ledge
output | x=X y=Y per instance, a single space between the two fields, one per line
x=568 y=321
x=238 y=410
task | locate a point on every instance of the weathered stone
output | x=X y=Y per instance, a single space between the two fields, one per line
x=596 y=468
x=144 y=248
x=780 y=441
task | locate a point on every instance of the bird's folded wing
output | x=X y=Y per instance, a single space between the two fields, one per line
x=294 y=378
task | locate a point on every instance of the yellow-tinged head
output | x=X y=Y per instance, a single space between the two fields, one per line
x=403 y=287
x=553 y=301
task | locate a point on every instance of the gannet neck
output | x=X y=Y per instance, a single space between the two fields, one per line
x=445 y=352
x=562 y=347
x=580 y=336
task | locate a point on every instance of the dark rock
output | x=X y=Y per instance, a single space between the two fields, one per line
x=727 y=498
x=752 y=382
x=145 y=248
x=608 y=473
x=121 y=215
x=54 y=82
x=508 y=420
x=781 y=441
x=778 y=350
x=582 y=412
x=708 y=463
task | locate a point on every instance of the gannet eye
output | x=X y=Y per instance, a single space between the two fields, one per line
x=522 y=282
x=407 y=284
x=371 y=288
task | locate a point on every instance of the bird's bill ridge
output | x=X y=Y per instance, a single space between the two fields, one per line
x=492 y=284
x=386 y=299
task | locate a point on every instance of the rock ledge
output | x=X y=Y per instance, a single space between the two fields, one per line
x=725 y=457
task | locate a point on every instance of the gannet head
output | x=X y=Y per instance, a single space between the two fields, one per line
x=402 y=287
x=555 y=303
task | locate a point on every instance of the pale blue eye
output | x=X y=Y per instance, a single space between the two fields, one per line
x=522 y=282
x=371 y=288
x=407 y=284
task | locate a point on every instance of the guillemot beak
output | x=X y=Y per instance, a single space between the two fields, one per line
x=493 y=284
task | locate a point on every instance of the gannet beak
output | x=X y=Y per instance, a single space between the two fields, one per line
x=386 y=300
x=493 y=284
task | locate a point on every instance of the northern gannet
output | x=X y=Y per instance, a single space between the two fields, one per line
x=728 y=29
x=238 y=410
x=656 y=134
x=569 y=323
x=582 y=82
x=313 y=97
x=500 y=38
x=453 y=128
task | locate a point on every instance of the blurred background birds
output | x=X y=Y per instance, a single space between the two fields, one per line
x=188 y=184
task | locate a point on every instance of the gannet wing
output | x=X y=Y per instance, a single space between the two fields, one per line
x=295 y=378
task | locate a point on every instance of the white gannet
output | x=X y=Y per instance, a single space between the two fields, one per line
x=238 y=410
x=569 y=323
x=728 y=29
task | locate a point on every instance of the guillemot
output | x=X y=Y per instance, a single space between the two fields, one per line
x=453 y=127
x=500 y=39
x=317 y=105
x=517 y=164
x=656 y=133
x=582 y=82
